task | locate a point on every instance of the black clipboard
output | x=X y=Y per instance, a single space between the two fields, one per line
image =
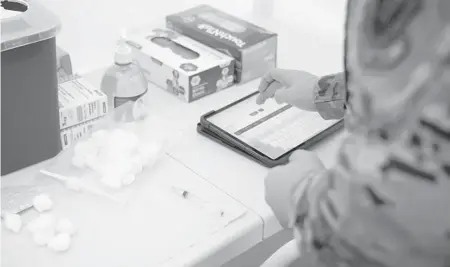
x=211 y=131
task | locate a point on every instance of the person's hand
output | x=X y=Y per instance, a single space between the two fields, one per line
x=281 y=182
x=292 y=87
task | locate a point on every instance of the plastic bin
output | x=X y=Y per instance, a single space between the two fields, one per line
x=29 y=102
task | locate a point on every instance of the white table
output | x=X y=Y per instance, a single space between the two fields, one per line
x=155 y=229
x=211 y=170
x=237 y=176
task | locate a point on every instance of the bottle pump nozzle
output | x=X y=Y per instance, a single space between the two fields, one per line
x=124 y=53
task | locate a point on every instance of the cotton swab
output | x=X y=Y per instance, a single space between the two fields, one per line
x=83 y=186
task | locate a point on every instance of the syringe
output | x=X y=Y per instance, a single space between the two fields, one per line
x=210 y=207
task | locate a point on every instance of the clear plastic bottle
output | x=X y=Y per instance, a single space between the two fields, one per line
x=124 y=81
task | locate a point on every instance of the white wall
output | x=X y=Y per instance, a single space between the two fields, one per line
x=91 y=27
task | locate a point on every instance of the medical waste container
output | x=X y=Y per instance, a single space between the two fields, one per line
x=29 y=98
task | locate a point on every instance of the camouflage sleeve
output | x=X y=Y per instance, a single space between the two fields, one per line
x=385 y=202
x=330 y=96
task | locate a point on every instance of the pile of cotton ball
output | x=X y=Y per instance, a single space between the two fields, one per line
x=41 y=203
x=46 y=229
x=54 y=233
x=116 y=156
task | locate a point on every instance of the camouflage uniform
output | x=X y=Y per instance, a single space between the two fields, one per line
x=386 y=203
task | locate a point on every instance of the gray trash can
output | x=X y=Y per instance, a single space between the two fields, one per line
x=29 y=102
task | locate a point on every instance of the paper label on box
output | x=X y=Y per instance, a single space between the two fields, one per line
x=72 y=134
x=79 y=101
x=229 y=35
x=66 y=138
x=220 y=26
x=218 y=33
x=181 y=73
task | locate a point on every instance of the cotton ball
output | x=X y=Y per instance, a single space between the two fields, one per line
x=43 y=229
x=101 y=167
x=133 y=140
x=94 y=145
x=118 y=132
x=112 y=174
x=42 y=239
x=113 y=183
x=113 y=152
x=65 y=226
x=112 y=180
x=82 y=148
x=116 y=167
x=128 y=179
x=78 y=161
x=42 y=203
x=44 y=223
x=32 y=226
x=60 y=243
x=130 y=140
x=99 y=136
x=123 y=167
x=122 y=140
x=13 y=222
x=92 y=161
x=137 y=165
x=117 y=135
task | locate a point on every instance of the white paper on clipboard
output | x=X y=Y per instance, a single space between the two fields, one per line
x=273 y=129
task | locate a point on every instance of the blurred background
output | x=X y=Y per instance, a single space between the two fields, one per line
x=90 y=28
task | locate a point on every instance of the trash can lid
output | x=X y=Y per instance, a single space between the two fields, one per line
x=25 y=22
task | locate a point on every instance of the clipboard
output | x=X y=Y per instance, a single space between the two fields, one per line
x=222 y=137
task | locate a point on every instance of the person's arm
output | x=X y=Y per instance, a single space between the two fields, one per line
x=286 y=256
x=330 y=96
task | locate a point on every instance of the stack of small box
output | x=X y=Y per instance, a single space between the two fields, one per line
x=202 y=51
x=81 y=105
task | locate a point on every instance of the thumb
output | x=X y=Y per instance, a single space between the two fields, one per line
x=274 y=75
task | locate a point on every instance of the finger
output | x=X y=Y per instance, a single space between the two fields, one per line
x=270 y=77
x=260 y=99
x=300 y=155
x=264 y=84
x=307 y=156
x=284 y=96
x=272 y=179
x=269 y=92
x=277 y=169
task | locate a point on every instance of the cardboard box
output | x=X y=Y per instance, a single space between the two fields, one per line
x=180 y=65
x=254 y=48
x=72 y=134
x=79 y=101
